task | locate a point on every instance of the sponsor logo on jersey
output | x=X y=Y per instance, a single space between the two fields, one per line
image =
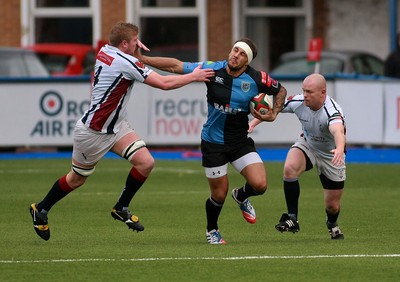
x=264 y=78
x=245 y=86
x=267 y=80
x=103 y=57
x=140 y=65
x=219 y=79
x=226 y=109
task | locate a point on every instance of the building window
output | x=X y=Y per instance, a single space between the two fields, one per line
x=63 y=21
x=64 y=29
x=166 y=37
x=171 y=28
x=62 y=3
x=276 y=26
x=274 y=3
x=168 y=3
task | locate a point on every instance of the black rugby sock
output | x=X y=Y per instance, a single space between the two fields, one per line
x=291 y=188
x=133 y=183
x=331 y=219
x=59 y=190
x=213 y=209
x=244 y=192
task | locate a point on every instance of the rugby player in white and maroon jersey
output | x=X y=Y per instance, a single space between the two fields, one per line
x=104 y=127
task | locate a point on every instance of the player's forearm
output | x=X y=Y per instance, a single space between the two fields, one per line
x=164 y=63
x=279 y=100
x=174 y=81
x=340 y=142
x=339 y=137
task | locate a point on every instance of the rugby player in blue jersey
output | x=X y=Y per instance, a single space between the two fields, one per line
x=224 y=137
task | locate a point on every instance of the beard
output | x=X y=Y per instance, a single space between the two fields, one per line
x=232 y=68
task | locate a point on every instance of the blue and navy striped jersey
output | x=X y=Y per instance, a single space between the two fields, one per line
x=228 y=100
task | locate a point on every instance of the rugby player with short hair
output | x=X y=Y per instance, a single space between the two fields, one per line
x=224 y=137
x=322 y=144
x=104 y=126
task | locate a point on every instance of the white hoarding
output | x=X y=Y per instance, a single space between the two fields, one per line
x=362 y=103
x=392 y=114
x=43 y=113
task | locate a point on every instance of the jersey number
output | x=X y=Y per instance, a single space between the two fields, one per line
x=96 y=76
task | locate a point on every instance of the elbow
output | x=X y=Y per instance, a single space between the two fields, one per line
x=168 y=86
x=165 y=87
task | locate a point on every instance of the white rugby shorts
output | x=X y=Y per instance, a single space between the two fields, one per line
x=90 y=145
x=323 y=163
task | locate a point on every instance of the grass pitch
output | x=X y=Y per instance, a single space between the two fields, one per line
x=87 y=244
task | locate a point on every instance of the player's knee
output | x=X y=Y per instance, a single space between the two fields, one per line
x=76 y=179
x=291 y=171
x=145 y=164
x=259 y=187
x=149 y=164
x=332 y=208
x=219 y=195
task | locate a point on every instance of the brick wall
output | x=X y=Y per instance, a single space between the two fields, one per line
x=10 y=23
x=111 y=12
x=219 y=29
x=321 y=19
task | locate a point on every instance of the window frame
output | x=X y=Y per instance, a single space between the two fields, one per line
x=241 y=12
x=135 y=11
x=29 y=12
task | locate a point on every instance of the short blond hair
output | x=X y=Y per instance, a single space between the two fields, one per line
x=122 y=31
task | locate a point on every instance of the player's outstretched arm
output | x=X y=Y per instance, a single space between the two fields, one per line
x=162 y=63
x=168 y=82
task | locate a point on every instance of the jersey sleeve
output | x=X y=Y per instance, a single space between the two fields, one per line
x=292 y=103
x=137 y=71
x=188 y=67
x=267 y=84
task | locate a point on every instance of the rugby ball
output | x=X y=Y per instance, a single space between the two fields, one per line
x=262 y=103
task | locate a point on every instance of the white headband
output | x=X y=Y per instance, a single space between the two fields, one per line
x=246 y=49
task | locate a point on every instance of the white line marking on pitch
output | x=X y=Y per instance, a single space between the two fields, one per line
x=205 y=258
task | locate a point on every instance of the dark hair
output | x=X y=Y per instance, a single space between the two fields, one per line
x=122 y=31
x=251 y=44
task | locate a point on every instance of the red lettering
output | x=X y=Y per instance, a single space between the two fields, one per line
x=178 y=127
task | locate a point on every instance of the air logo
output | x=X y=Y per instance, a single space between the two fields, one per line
x=54 y=108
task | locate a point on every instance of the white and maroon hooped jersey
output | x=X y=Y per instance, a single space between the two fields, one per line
x=115 y=73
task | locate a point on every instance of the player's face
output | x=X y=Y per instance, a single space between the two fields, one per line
x=237 y=59
x=132 y=45
x=314 y=96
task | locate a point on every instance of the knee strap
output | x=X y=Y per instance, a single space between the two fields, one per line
x=129 y=151
x=82 y=171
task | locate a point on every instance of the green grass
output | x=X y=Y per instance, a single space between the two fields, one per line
x=88 y=245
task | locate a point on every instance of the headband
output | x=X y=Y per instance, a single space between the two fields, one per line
x=246 y=49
